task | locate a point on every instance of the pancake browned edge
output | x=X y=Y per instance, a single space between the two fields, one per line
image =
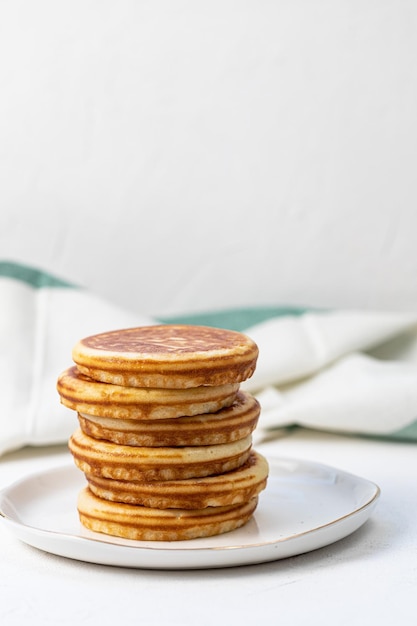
x=149 y=524
x=169 y=356
x=235 y=487
x=110 y=460
x=85 y=395
x=227 y=425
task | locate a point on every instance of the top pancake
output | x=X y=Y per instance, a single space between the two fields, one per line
x=170 y=356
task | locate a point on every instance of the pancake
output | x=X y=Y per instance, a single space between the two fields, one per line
x=227 y=425
x=167 y=356
x=235 y=487
x=110 y=460
x=85 y=395
x=149 y=524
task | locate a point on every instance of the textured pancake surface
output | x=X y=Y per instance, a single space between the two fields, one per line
x=235 y=487
x=149 y=524
x=85 y=395
x=168 y=356
x=110 y=460
x=229 y=424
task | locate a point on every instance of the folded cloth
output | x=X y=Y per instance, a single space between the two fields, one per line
x=343 y=371
x=41 y=319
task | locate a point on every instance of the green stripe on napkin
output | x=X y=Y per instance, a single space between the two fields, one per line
x=31 y=276
x=234 y=319
x=408 y=433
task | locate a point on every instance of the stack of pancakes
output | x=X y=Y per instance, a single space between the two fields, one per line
x=165 y=431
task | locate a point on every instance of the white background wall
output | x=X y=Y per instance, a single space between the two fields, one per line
x=189 y=155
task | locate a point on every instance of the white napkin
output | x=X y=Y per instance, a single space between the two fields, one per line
x=341 y=371
x=38 y=328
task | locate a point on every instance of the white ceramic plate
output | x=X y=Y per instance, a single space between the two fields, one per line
x=304 y=507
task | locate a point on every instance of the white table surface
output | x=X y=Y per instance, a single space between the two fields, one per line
x=369 y=577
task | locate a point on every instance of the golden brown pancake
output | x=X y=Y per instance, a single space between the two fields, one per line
x=149 y=524
x=165 y=434
x=85 y=395
x=229 y=424
x=167 y=356
x=110 y=460
x=235 y=487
